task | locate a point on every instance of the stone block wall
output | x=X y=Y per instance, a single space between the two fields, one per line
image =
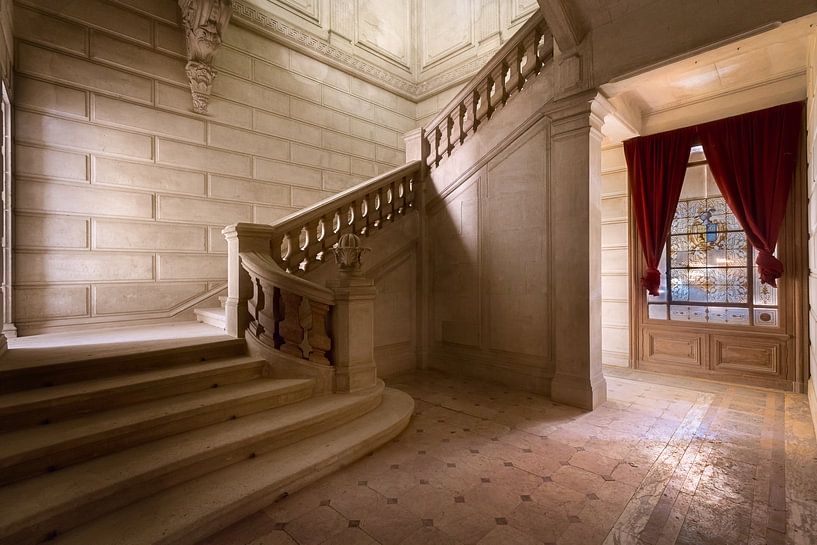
x=122 y=191
x=6 y=40
x=615 y=258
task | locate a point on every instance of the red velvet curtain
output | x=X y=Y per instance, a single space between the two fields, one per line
x=656 y=167
x=753 y=158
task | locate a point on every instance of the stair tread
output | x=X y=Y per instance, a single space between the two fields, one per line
x=23 y=444
x=27 y=501
x=131 y=380
x=214 y=311
x=31 y=360
x=168 y=516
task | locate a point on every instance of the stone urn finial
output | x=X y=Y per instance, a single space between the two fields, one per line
x=349 y=254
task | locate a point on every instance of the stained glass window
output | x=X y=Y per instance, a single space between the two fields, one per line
x=708 y=269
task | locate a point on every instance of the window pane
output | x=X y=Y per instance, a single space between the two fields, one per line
x=657 y=312
x=766 y=317
x=708 y=266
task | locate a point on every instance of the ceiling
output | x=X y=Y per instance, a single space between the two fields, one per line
x=745 y=74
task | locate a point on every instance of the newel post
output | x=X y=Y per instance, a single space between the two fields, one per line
x=353 y=319
x=242 y=237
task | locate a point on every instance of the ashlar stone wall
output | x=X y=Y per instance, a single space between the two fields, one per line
x=122 y=191
x=615 y=258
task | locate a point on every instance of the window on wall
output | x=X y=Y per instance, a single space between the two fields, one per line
x=708 y=266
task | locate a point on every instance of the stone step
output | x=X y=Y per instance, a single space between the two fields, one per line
x=216 y=317
x=32 y=451
x=77 y=366
x=47 y=505
x=226 y=496
x=45 y=405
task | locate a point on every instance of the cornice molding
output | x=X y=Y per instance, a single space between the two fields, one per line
x=274 y=28
x=310 y=44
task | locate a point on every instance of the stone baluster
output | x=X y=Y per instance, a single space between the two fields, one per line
x=353 y=320
x=452 y=123
x=319 y=341
x=365 y=203
x=469 y=116
x=532 y=61
x=430 y=138
x=290 y=328
x=255 y=306
x=514 y=80
x=268 y=313
x=481 y=104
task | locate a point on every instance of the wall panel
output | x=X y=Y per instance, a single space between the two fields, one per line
x=123 y=190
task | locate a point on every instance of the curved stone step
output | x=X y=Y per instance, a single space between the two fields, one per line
x=224 y=497
x=47 y=448
x=39 y=508
x=45 y=405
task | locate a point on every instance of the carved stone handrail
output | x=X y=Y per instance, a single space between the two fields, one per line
x=304 y=239
x=513 y=66
x=288 y=313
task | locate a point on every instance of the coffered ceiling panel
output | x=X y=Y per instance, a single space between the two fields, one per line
x=446 y=28
x=309 y=9
x=522 y=9
x=385 y=29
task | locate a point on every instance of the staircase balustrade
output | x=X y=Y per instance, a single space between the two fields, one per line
x=304 y=239
x=269 y=299
x=507 y=73
x=287 y=312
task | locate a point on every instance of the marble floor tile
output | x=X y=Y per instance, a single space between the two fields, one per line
x=664 y=461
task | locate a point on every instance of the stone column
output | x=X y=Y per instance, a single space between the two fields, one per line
x=576 y=235
x=417 y=150
x=353 y=320
x=242 y=237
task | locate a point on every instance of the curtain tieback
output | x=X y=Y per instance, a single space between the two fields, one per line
x=651 y=280
x=770 y=268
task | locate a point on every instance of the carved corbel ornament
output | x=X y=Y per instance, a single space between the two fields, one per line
x=204 y=22
x=349 y=254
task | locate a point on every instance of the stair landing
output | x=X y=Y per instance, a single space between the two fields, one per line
x=104 y=343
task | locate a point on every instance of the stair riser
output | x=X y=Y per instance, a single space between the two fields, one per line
x=250 y=504
x=13 y=380
x=123 y=493
x=23 y=416
x=66 y=454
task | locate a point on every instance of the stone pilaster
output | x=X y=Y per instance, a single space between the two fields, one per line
x=576 y=232
x=242 y=237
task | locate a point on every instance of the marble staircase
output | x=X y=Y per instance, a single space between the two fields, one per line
x=168 y=445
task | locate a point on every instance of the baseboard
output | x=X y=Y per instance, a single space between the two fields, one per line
x=812 y=403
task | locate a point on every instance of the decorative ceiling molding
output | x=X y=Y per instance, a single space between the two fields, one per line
x=261 y=20
x=282 y=31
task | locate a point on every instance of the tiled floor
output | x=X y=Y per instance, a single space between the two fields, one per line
x=663 y=461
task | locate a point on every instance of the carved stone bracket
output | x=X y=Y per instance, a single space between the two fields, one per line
x=204 y=22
